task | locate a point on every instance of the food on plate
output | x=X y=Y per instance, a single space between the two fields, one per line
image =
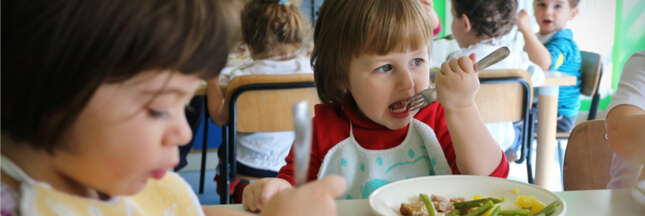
x=479 y=205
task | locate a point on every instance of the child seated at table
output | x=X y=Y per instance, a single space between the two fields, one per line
x=478 y=27
x=624 y=120
x=93 y=110
x=274 y=32
x=370 y=57
x=553 y=48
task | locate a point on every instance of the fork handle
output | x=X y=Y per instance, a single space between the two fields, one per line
x=492 y=58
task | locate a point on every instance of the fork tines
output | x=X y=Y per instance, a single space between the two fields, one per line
x=418 y=101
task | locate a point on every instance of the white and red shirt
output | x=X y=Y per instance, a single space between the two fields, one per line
x=369 y=155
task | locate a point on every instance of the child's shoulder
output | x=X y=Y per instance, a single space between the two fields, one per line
x=563 y=37
x=328 y=114
x=329 y=126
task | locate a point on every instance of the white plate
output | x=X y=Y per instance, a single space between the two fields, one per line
x=387 y=200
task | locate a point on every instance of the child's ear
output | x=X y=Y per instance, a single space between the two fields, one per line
x=467 y=25
x=574 y=12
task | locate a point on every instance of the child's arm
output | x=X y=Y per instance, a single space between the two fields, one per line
x=536 y=50
x=315 y=198
x=275 y=196
x=215 y=99
x=476 y=150
x=257 y=194
x=625 y=132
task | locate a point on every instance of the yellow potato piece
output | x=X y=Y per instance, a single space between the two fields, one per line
x=476 y=197
x=525 y=201
x=537 y=206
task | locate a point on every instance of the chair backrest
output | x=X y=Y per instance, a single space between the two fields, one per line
x=588 y=157
x=504 y=95
x=591 y=72
x=263 y=103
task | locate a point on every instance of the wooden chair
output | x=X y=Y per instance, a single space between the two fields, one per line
x=588 y=157
x=505 y=96
x=260 y=103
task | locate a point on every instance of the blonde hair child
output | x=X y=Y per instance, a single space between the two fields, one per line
x=369 y=58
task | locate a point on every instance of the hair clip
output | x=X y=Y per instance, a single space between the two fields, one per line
x=285 y=2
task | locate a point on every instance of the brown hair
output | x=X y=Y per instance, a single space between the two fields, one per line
x=346 y=29
x=57 y=53
x=490 y=18
x=266 y=24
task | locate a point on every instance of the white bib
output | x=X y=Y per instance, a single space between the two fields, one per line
x=420 y=154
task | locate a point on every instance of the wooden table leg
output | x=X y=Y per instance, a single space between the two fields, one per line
x=545 y=166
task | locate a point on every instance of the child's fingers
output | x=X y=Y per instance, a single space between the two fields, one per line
x=249 y=197
x=473 y=57
x=455 y=65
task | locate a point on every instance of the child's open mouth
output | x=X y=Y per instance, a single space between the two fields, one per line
x=547 y=22
x=399 y=106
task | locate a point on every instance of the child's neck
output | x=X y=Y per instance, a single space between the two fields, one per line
x=476 y=40
x=548 y=32
x=276 y=53
x=39 y=165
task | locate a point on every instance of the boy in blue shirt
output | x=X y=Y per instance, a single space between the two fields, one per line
x=553 y=48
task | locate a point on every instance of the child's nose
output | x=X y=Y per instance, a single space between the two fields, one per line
x=180 y=133
x=406 y=80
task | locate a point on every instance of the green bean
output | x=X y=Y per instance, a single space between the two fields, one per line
x=455 y=212
x=549 y=209
x=515 y=212
x=496 y=211
x=481 y=209
x=476 y=203
x=428 y=203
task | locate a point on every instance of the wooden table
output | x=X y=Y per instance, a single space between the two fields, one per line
x=585 y=202
x=545 y=166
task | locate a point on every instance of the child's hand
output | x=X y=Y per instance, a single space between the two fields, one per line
x=524 y=22
x=457 y=83
x=315 y=198
x=258 y=193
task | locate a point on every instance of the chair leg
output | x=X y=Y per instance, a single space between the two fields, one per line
x=224 y=168
x=593 y=109
x=561 y=161
x=528 y=150
x=202 y=171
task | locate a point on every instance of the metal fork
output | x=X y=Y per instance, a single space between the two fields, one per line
x=429 y=95
x=302 y=142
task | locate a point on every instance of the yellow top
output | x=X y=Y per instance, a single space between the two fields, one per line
x=169 y=196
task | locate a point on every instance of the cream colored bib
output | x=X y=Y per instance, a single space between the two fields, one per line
x=364 y=170
x=169 y=196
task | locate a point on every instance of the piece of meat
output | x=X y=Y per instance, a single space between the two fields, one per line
x=417 y=208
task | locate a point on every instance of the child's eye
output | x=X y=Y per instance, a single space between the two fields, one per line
x=417 y=61
x=157 y=114
x=541 y=5
x=557 y=6
x=384 y=68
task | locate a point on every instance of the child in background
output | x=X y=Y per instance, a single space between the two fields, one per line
x=434 y=19
x=274 y=31
x=624 y=120
x=477 y=26
x=370 y=57
x=553 y=48
x=93 y=110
